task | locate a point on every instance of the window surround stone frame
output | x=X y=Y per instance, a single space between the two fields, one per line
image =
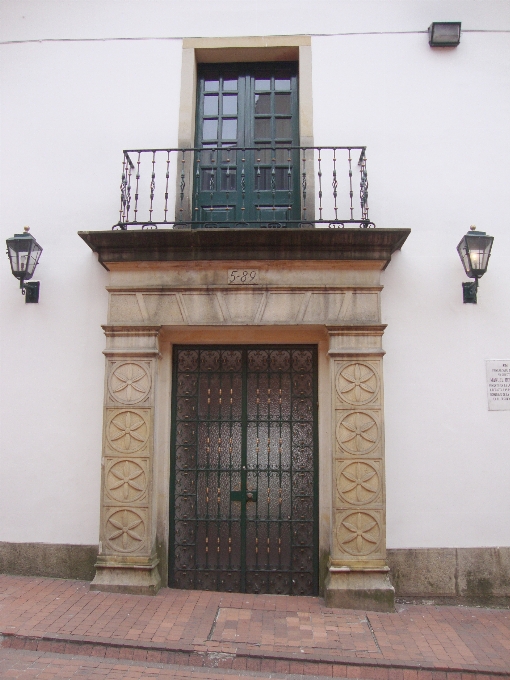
x=242 y=49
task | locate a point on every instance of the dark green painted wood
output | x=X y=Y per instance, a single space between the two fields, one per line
x=242 y=184
x=244 y=469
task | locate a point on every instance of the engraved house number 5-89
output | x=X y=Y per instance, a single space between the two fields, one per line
x=243 y=276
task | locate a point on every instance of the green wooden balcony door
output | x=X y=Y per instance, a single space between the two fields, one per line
x=247 y=122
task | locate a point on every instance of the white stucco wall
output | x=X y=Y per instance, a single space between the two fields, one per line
x=435 y=123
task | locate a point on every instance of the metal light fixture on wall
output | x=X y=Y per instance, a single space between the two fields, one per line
x=24 y=253
x=444 y=33
x=474 y=251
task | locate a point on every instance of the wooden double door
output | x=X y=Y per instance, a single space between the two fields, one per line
x=244 y=497
x=248 y=170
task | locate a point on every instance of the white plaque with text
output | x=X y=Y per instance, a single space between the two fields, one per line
x=498 y=384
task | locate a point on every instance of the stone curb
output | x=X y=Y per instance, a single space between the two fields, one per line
x=247 y=659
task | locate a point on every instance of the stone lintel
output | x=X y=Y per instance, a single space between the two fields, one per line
x=155 y=277
x=249 y=41
x=247 y=48
x=244 y=306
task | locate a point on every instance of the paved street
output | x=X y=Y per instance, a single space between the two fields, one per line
x=54 y=628
x=22 y=664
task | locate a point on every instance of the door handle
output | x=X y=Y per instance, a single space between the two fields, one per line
x=239 y=496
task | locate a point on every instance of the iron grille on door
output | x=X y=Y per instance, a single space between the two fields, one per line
x=244 y=469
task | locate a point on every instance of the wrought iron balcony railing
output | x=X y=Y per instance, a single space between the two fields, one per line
x=264 y=186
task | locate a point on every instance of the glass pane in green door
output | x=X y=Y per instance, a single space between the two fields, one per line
x=211 y=105
x=229 y=128
x=262 y=103
x=229 y=104
x=210 y=128
x=282 y=103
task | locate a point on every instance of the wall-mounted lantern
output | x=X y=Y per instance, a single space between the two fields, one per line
x=474 y=251
x=444 y=33
x=24 y=253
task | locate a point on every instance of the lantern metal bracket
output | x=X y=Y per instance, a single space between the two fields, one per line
x=469 y=290
x=30 y=290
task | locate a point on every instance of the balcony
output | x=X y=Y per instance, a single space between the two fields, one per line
x=268 y=187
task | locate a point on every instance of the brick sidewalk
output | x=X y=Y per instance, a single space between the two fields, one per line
x=262 y=633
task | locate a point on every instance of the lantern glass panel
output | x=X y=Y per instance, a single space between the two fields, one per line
x=24 y=253
x=464 y=256
x=479 y=248
x=474 y=250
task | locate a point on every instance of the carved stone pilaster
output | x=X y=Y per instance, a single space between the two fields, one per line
x=358 y=574
x=127 y=559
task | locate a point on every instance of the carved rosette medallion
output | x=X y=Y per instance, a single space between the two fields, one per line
x=357 y=432
x=358 y=533
x=125 y=530
x=357 y=383
x=359 y=482
x=129 y=383
x=127 y=430
x=126 y=481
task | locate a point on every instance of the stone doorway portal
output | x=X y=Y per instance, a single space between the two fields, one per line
x=169 y=291
x=244 y=497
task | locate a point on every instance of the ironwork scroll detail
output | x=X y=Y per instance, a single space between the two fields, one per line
x=273 y=184
x=244 y=514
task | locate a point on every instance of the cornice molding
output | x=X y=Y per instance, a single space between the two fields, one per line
x=198 y=245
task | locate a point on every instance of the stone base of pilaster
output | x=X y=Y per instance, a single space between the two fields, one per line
x=359 y=589
x=133 y=579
